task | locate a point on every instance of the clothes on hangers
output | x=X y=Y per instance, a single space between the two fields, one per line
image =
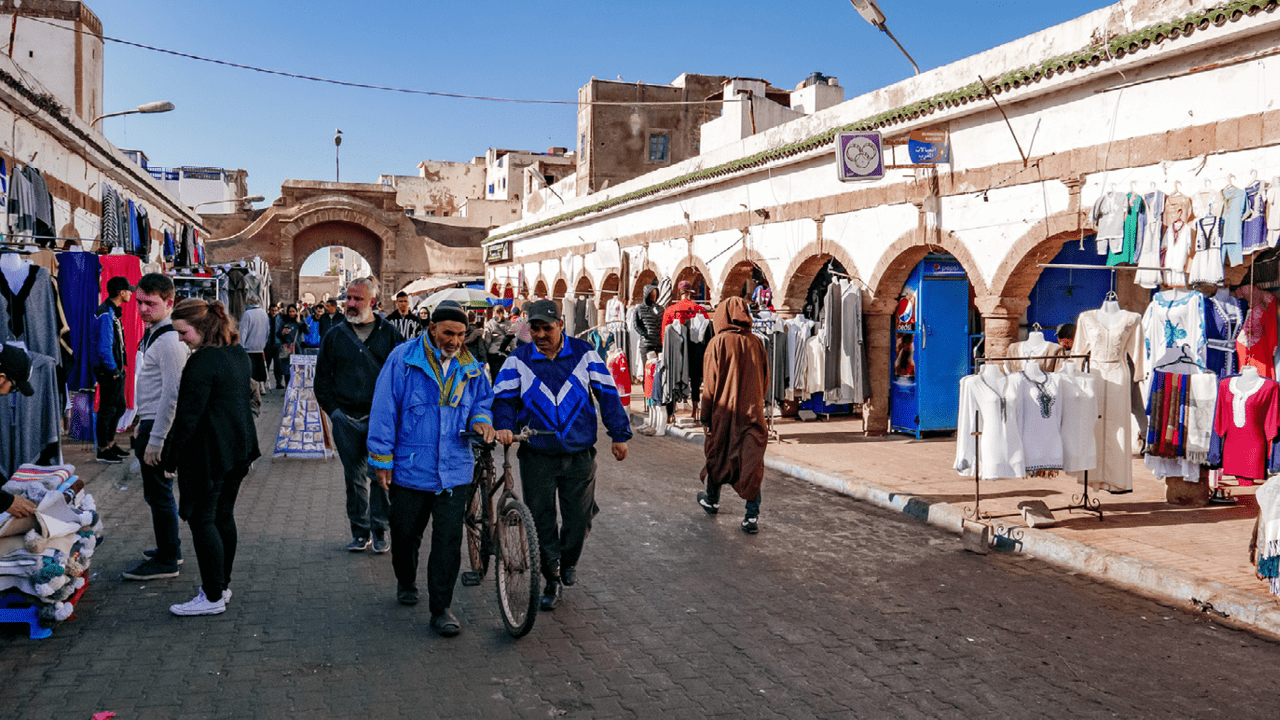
x=1079 y=421
x=1253 y=237
x=30 y=315
x=28 y=425
x=1179 y=405
x=1151 y=240
x=1223 y=318
x=1108 y=216
x=1256 y=344
x=984 y=406
x=1232 y=215
x=1174 y=318
x=1206 y=264
x=1178 y=242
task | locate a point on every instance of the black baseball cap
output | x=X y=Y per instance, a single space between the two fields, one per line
x=16 y=365
x=544 y=310
x=118 y=284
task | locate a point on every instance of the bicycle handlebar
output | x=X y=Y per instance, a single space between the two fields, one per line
x=521 y=436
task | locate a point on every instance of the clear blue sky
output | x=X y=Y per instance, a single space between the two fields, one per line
x=279 y=128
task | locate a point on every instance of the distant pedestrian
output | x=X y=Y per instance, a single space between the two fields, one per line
x=424 y=315
x=288 y=338
x=549 y=385
x=520 y=327
x=272 y=351
x=109 y=367
x=255 y=327
x=498 y=340
x=159 y=378
x=404 y=320
x=311 y=339
x=212 y=443
x=351 y=356
x=734 y=380
x=330 y=318
x=421 y=459
x=475 y=341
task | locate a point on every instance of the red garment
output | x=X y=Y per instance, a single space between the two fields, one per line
x=1244 y=449
x=1256 y=343
x=621 y=377
x=650 y=369
x=682 y=311
x=130 y=266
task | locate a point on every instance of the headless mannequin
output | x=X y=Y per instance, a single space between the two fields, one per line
x=1249 y=380
x=15 y=269
x=1033 y=371
x=992 y=373
x=1110 y=313
x=1035 y=344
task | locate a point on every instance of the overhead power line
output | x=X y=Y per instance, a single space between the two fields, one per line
x=369 y=86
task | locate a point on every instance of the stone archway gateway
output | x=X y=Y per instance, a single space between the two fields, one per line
x=365 y=217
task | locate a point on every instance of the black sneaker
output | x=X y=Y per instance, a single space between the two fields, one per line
x=151 y=555
x=569 y=575
x=106 y=456
x=550 y=596
x=707 y=505
x=119 y=451
x=359 y=544
x=749 y=525
x=151 y=570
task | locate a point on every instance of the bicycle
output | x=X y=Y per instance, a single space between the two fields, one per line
x=503 y=529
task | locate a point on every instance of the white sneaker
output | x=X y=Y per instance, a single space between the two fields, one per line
x=226 y=596
x=199 y=605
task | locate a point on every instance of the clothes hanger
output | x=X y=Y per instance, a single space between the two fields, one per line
x=1182 y=357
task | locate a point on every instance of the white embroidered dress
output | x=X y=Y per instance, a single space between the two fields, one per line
x=983 y=401
x=1037 y=411
x=1108 y=347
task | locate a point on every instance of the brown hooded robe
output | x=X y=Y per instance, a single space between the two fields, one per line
x=735 y=376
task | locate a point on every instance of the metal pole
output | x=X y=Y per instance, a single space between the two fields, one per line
x=884 y=28
x=337 y=163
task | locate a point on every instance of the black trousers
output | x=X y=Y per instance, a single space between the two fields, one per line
x=570 y=480
x=408 y=515
x=213 y=532
x=111 y=406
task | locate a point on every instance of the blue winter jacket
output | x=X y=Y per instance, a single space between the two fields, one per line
x=417 y=418
x=107 y=340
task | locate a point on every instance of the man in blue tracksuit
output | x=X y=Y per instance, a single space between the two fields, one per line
x=429 y=391
x=109 y=367
x=548 y=385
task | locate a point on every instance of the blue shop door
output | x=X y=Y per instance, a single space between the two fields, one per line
x=944 y=351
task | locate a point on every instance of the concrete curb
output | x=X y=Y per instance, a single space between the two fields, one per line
x=1225 y=604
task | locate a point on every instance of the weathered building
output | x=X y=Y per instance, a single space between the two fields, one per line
x=50 y=93
x=440 y=188
x=1141 y=95
x=515 y=174
x=618 y=142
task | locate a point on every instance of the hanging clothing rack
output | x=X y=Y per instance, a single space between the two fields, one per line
x=1113 y=268
x=1078 y=502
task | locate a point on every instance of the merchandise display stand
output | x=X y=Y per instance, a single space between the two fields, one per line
x=304 y=430
x=1083 y=501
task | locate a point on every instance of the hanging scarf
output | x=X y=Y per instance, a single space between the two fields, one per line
x=463 y=368
x=1203 y=399
x=1268 y=497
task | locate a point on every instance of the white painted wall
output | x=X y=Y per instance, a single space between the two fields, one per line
x=48 y=53
x=1081 y=109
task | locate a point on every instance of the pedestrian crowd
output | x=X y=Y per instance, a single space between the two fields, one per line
x=402 y=392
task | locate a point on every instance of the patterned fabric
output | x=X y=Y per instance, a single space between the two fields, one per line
x=1256 y=343
x=555 y=394
x=1166 y=431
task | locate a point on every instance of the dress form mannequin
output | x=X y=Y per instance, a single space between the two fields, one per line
x=992 y=372
x=1033 y=371
x=1109 y=314
x=1035 y=344
x=15 y=269
x=1249 y=378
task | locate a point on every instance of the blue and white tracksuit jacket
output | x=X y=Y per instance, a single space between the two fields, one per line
x=555 y=394
x=419 y=412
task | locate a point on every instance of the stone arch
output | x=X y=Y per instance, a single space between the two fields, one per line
x=609 y=289
x=559 y=288
x=901 y=258
x=738 y=270
x=330 y=224
x=647 y=275
x=1020 y=269
x=688 y=269
x=804 y=268
x=540 y=288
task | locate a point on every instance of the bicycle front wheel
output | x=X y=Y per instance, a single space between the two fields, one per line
x=517 y=568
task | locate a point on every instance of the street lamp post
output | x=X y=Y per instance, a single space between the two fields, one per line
x=148 y=108
x=337 y=164
x=870 y=11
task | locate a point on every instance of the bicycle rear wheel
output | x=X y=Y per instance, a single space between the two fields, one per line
x=477 y=543
x=517 y=568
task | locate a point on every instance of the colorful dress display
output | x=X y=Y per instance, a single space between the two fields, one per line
x=1247 y=420
x=1223 y=318
x=1256 y=343
x=1175 y=318
x=1108 y=345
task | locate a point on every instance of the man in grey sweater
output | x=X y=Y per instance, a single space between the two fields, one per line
x=254 y=330
x=156 y=391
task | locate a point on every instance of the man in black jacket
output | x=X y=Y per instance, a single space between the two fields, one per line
x=351 y=356
x=648 y=323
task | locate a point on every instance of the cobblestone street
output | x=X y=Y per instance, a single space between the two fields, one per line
x=835 y=609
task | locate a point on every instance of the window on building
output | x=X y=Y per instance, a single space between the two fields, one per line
x=658 y=147
x=549 y=180
x=582 y=147
x=490 y=188
x=504 y=157
x=408 y=211
x=504 y=183
x=430 y=213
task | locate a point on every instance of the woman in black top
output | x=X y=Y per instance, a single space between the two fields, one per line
x=212 y=442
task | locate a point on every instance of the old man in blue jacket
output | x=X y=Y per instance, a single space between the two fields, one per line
x=429 y=392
